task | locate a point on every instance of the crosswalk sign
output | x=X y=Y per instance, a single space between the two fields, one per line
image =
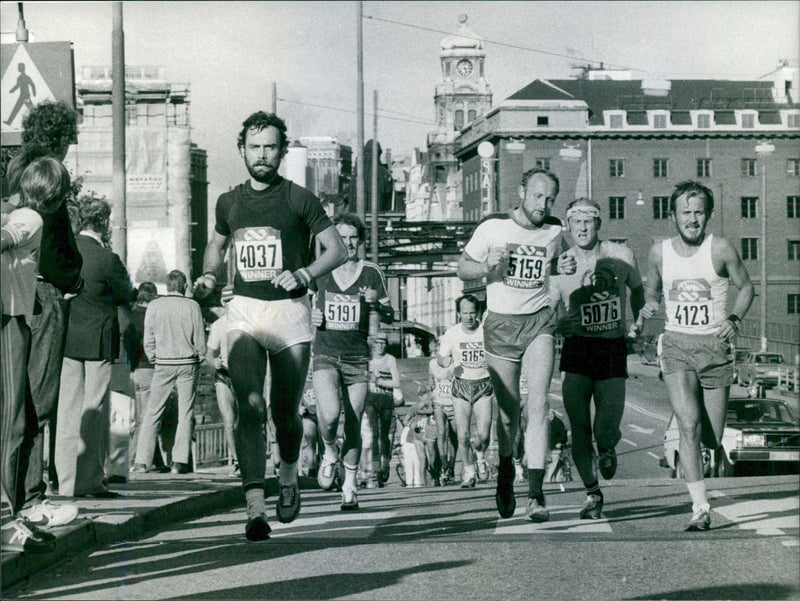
x=29 y=75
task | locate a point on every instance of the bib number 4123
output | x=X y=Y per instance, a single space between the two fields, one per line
x=692 y=315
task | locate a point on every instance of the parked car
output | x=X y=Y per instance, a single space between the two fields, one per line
x=739 y=355
x=761 y=437
x=760 y=366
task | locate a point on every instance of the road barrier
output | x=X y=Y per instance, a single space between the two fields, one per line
x=209 y=446
x=787 y=378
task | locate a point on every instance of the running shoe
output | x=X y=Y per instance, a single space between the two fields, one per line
x=469 y=482
x=701 y=519
x=257 y=529
x=18 y=536
x=326 y=474
x=536 y=511
x=288 y=505
x=483 y=471
x=591 y=510
x=373 y=481
x=49 y=515
x=607 y=464
x=504 y=496
x=349 y=499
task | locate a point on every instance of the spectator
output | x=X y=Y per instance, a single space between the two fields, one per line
x=217 y=357
x=92 y=345
x=141 y=368
x=174 y=341
x=42 y=185
x=384 y=379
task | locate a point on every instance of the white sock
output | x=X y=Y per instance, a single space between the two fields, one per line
x=331 y=450
x=255 y=502
x=287 y=473
x=479 y=456
x=697 y=490
x=469 y=473
x=350 y=473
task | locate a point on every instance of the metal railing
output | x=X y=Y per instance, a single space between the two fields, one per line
x=209 y=446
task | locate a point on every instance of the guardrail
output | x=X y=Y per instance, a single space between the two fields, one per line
x=209 y=446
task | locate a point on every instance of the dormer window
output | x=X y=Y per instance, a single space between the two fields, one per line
x=616 y=121
x=542 y=121
x=748 y=120
x=703 y=121
x=660 y=121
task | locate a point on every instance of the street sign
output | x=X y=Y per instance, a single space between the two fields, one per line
x=30 y=74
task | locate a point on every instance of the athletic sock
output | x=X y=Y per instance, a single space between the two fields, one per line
x=350 y=476
x=255 y=501
x=287 y=473
x=697 y=490
x=535 y=481
x=594 y=489
x=331 y=450
x=479 y=456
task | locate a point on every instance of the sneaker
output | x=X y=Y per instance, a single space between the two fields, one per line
x=469 y=482
x=236 y=471
x=349 y=499
x=537 y=512
x=504 y=496
x=483 y=471
x=17 y=536
x=257 y=529
x=326 y=474
x=607 y=464
x=288 y=505
x=179 y=468
x=43 y=534
x=373 y=482
x=49 y=515
x=383 y=476
x=701 y=519
x=139 y=468
x=591 y=510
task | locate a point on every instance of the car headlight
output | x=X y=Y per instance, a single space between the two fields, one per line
x=753 y=440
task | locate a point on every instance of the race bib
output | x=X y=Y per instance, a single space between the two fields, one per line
x=689 y=303
x=601 y=315
x=471 y=355
x=342 y=311
x=526 y=267
x=259 y=255
x=443 y=387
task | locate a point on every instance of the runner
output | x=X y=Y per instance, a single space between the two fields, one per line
x=516 y=252
x=693 y=270
x=441 y=384
x=461 y=347
x=344 y=300
x=384 y=380
x=270 y=221
x=594 y=356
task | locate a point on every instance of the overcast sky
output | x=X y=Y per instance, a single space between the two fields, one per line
x=231 y=52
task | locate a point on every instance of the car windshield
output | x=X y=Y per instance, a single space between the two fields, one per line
x=752 y=411
x=769 y=358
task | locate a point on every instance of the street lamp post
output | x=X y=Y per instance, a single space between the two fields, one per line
x=764 y=150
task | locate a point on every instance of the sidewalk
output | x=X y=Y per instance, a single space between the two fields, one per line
x=148 y=502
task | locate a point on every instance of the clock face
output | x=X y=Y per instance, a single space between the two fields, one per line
x=464 y=68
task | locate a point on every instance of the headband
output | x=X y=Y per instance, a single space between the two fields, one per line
x=583 y=210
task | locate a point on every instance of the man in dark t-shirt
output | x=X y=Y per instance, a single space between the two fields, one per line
x=270 y=222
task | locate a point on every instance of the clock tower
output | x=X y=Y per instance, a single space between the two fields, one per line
x=462 y=94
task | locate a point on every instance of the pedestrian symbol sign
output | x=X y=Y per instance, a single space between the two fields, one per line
x=31 y=74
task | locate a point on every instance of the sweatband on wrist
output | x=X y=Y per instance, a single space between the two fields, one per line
x=304 y=275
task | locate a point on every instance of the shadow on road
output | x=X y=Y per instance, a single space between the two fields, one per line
x=764 y=590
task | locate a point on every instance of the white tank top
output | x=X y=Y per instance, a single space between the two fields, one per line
x=694 y=294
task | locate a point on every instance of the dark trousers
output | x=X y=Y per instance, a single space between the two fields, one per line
x=48 y=336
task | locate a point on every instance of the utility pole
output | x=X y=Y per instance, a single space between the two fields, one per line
x=119 y=235
x=274 y=98
x=22 y=30
x=360 y=200
x=374 y=182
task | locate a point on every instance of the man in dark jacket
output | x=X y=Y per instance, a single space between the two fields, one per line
x=93 y=342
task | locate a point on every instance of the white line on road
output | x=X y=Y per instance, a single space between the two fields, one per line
x=647 y=412
x=519 y=524
x=630 y=442
x=641 y=430
x=755 y=515
x=653 y=455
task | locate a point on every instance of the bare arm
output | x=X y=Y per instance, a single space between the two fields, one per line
x=652 y=290
x=470 y=269
x=334 y=253
x=739 y=277
x=212 y=259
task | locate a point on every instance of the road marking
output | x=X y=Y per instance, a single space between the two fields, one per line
x=792 y=542
x=646 y=412
x=641 y=430
x=346 y=519
x=630 y=442
x=767 y=517
x=653 y=455
x=520 y=524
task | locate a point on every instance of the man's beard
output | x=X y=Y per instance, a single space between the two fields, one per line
x=531 y=216
x=696 y=241
x=264 y=177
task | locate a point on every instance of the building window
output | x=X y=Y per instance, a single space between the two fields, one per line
x=616 y=167
x=615 y=121
x=660 y=168
x=793 y=250
x=660 y=121
x=704 y=121
x=749 y=204
x=471 y=115
x=793 y=207
x=793 y=304
x=748 y=167
x=749 y=249
x=459 y=119
x=748 y=120
x=542 y=121
x=793 y=120
x=616 y=207
x=703 y=167
x=660 y=207
x=543 y=164
x=793 y=167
